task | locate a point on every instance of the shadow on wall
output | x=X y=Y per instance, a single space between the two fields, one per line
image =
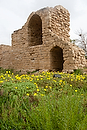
x=35 y=30
x=56 y=58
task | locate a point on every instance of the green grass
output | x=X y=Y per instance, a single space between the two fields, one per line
x=41 y=102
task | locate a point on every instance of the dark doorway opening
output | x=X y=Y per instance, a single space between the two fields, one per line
x=56 y=59
x=35 y=30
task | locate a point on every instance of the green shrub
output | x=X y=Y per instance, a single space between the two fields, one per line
x=78 y=71
x=86 y=57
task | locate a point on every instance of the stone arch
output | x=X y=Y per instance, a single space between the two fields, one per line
x=35 y=30
x=56 y=59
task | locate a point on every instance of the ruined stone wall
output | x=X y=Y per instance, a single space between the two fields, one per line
x=19 y=38
x=40 y=24
x=28 y=34
x=60 y=19
x=25 y=60
x=43 y=44
x=41 y=57
x=33 y=58
x=86 y=63
x=73 y=56
x=5 y=56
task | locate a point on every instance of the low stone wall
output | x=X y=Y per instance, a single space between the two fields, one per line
x=5 y=56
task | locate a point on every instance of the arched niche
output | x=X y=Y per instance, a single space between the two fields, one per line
x=56 y=58
x=35 y=30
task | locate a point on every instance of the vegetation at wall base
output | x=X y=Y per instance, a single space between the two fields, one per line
x=86 y=57
x=41 y=102
x=4 y=70
x=78 y=71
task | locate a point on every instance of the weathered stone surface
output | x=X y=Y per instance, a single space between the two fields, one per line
x=43 y=43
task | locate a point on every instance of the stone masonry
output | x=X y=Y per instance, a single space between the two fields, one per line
x=43 y=43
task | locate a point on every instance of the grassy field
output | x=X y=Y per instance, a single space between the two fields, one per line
x=41 y=102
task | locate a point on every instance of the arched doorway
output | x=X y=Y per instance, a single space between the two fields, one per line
x=35 y=30
x=56 y=59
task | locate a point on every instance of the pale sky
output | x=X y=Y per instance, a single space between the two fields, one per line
x=14 y=14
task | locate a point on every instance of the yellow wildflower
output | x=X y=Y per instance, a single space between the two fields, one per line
x=75 y=90
x=71 y=79
x=54 y=80
x=50 y=87
x=59 y=83
x=36 y=86
x=48 y=78
x=38 y=90
x=82 y=94
x=32 y=75
x=6 y=72
x=1 y=81
x=64 y=82
x=44 y=89
x=27 y=94
x=35 y=83
x=70 y=85
x=16 y=87
x=46 y=86
x=42 y=94
x=35 y=94
x=83 y=77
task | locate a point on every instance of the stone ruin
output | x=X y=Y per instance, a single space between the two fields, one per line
x=43 y=43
